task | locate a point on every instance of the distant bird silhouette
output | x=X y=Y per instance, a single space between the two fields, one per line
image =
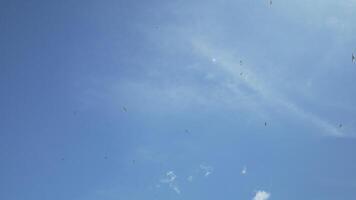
x=353 y=58
x=240 y=62
x=265 y=123
x=340 y=125
x=133 y=161
x=124 y=109
x=241 y=74
x=270 y=2
x=187 y=131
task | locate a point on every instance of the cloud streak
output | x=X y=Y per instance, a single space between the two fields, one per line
x=253 y=81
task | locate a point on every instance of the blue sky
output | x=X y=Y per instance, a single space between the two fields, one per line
x=198 y=80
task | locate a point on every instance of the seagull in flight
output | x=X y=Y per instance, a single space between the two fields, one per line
x=353 y=58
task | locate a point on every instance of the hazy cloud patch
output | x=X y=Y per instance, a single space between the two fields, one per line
x=261 y=195
x=244 y=170
x=207 y=170
x=170 y=179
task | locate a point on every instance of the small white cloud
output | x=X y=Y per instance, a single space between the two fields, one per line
x=207 y=169
x=170 y=177
x=262 y=195
x=176 y=189
x=171 y=181
x=213 y=60
x=244 y=171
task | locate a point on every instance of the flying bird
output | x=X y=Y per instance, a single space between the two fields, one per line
x=353 y=58
x=265 y=123
x=240 y=62
x=340 y=125
x=270 y=2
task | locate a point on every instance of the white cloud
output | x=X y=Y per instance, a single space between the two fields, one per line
x=223 y=85
x=171 y=181
x=257 y=85
x=207 y=169
x=176 y=189
x=244 y=171
x=261 y=195
x=252 y=91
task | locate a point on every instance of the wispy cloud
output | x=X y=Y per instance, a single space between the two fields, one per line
x=244 y=171
x=226 y=83
x=262 y=195
x=257 y=84
x=171 y=181
x=230 y=83
x=206 y=169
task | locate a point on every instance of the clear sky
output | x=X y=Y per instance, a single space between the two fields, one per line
x=179 y=100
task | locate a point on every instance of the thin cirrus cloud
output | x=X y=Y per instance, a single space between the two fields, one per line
x=249 y=89
x=226 y=81
x=231 y=67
